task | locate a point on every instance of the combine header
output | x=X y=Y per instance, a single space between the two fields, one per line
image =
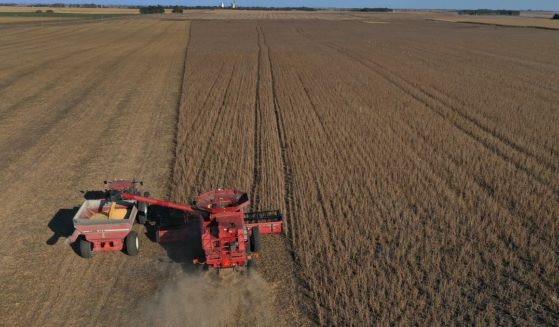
x=230 y=237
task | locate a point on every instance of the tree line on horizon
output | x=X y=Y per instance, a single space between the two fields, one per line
x=179 y=9
x=501 y=12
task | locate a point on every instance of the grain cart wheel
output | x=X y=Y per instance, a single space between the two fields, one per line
x=85 y=248
x=255 y=239
x=132 y=244
x=142 y=213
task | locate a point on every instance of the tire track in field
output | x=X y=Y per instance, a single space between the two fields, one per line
x=70 y=105
x=292 y=297
x=529 y=224
x=257 y=157
x=518 y=84
x=423 y=164
x=36 y=66
x=63 y=22
x=451 y=52
x=202 y=171
x=182 y=141
x=287 y=170
x=423 y=96
x=41 y=38
x=180 y=102
x=39 y=314
x=57 y=292
x=104 y=299
x=527 y=63
x=45 y=33
x=127 y=139
x=61 y=75
x=63 y=34
x=475 y=186
x=49 y=41
x=446 y=101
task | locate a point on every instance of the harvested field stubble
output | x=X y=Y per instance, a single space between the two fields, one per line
x=416 y=162
x=80 y=104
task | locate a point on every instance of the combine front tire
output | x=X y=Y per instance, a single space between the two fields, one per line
x=132 y=244
x=255 y=240
x=85 y=248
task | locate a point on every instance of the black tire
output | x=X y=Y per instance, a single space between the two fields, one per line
x=142 y=217
x=86 y=250
x=156 y=235
x=251 y=267
x=132 y=243
x=255 y=244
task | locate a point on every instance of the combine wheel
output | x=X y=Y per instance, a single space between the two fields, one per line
x=85 y=248
x=255 y=240
x=132 y=244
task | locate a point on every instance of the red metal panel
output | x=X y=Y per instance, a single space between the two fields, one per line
x=106 y=236
x=159 y=202
x=108 y=245
x=268 y=227
x=172 y=235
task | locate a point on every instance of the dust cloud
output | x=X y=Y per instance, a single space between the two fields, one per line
x=229 y=298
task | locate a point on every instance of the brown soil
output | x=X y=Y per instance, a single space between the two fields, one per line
x=518 y=21
x=80 y=105
x=70 y=10
x=416 y=163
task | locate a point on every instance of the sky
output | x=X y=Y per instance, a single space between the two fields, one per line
x=552 y=5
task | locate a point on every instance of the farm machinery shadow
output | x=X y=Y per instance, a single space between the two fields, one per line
x=182 y=251
x=61 y=223
x=62 y=227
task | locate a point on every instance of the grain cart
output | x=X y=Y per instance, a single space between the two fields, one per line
x=106 y=224
x=230 y=237
x=101 y=225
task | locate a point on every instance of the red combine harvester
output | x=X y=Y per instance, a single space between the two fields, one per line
x=230 y=237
